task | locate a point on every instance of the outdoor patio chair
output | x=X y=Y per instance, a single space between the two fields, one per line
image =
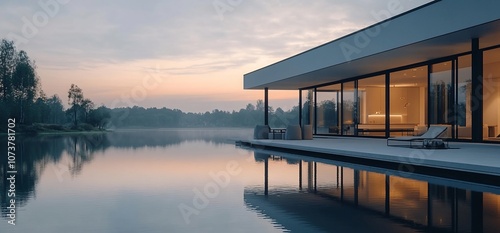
x=428 y=139
x=261 y=132
x=307 y=132
x=293 y=132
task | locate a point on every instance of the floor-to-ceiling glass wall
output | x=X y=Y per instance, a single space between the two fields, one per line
x=328 y=110
x=441 y=96
x=434 y=94
x=371 y=96
x=463 y=96
x=282 y=111
x=491 y=94
x=349 y=109
x=307 y=117
x=408 y=101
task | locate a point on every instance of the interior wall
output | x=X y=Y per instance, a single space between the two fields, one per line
x=491 y=93
x=491 y=110
x=374 y=103
x=406 y=101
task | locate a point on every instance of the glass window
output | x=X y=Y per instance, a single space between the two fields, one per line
x=371 y=93
x=491 y=94
x=408 y=101
x=307 y=107
x=328 y=114
x=464 y=111
x=281 y=108
x=441 y=94
x=349 y=108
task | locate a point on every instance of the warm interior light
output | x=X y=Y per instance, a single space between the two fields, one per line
x=405 y=85
x=380 y=118
x=383 y=115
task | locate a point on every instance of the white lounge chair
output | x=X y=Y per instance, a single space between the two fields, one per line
x=432 y=133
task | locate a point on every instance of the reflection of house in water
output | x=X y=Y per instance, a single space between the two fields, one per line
x=335 y=196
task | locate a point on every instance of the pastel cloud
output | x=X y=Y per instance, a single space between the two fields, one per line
x=109 y=46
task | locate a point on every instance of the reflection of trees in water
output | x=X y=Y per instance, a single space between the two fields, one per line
x=32 y=156
x=134 y=139
x=34 y=153
x=82 y=149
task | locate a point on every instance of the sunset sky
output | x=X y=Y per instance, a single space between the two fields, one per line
x=189 y=54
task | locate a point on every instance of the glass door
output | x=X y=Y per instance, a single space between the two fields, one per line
x=442 y=97
x=491 y=95
x=328 y=110
x=463 y=92
x=350 y=111
x=408 y=101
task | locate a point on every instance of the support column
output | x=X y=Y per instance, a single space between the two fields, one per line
x=342 y=109
x=300 y=107
x=266 y=106
x=387 y=105
x=477 y=92
x=315 y=106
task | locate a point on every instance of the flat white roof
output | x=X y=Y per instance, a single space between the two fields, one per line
x=435 y=30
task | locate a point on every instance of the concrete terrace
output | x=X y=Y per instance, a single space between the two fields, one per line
x=473 y=162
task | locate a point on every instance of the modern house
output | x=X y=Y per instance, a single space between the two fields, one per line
x=438 y=64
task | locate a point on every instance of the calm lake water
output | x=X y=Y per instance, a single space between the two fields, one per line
x=197 y=180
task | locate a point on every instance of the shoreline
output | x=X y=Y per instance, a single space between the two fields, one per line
x=58 y=132
x=48 y=129
x=68 y=131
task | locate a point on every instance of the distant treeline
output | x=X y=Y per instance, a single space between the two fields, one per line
x=172 y=118
x=22 y=98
